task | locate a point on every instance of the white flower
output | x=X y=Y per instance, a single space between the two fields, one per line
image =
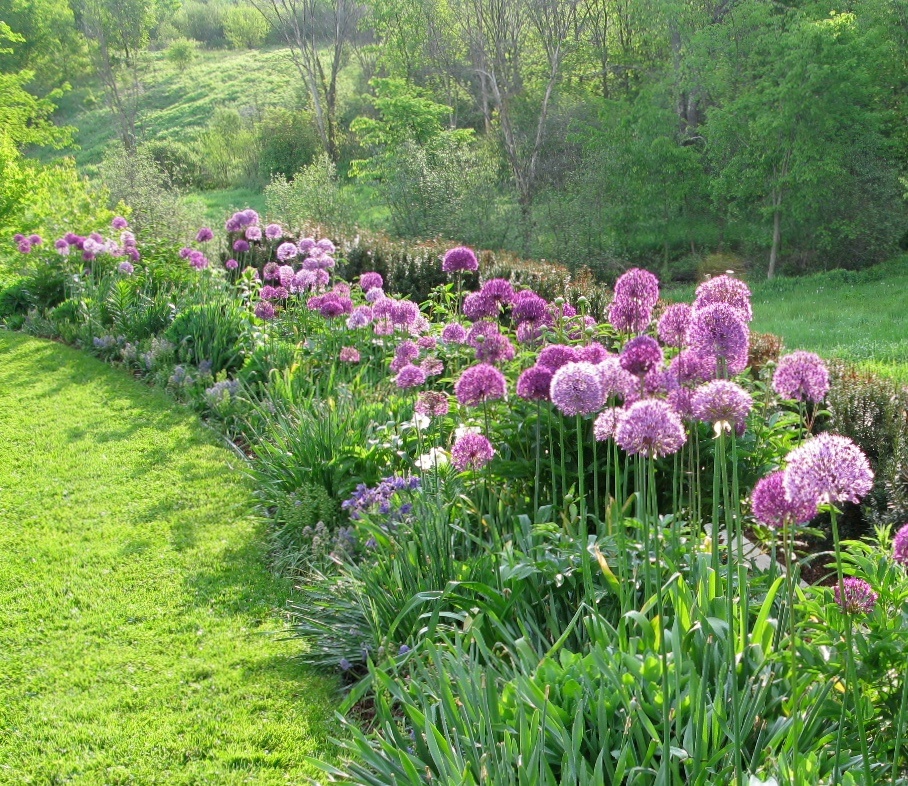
x=435 y=458
x=463 y=429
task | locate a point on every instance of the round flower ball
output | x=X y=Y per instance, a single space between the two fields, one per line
x=801 y=376
x=640 y=355
x=827 y=468
x=651 y=428
x=478 y=384
x=534 y=383
x=722 y=403
x=577 y=389
x=773 y=509
x=459 y=259
x=471 y=451
x=857 y=597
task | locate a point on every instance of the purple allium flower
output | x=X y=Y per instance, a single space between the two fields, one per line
x=281 y=293
x=25 y=248
x=723 y=403
x=286 y=251
x=673 y=325
x=333 y=306
x=616 y=382
x=495 y=349
x=682 y=401
x=828 y=468
x=19 y=237
x=606 y=424
x=249 y=216
x=432 y=404
x=126 y=268
x=535 y=383
x=640 y=355
x=404 y=312
x=410 y=377
x=271 y=271
x=432 y=366
x=592 y=353
x=407 y=350
x=232 y=224
x=900 y=545
x=479 y=384
x=638 y=286
x=325 y=245
x=253 y=233
x=454 y=333
x=427 y=342
x=383 y=327
x=119 y=223
x=127 y=239
x=529 y=331
x=264 y=310
x=725 y=289
x=375 y=294
x=36 y=240
x=184 y=252
x=802 y=376
x=274 y=231
x=62 y=246
x=498 y=289
x=689 y=368
x=577 y=389
x=198 y=260
x=471 y=451
x=360 y=318
x=72 y=238
x=527 y=305
x=626 y=316
x=859 y=596
x=481 y=331
x=369 y=281
x=348 y=355
x=321 y=278
x=555 y=356
x=718 y=331
x=285 y=275
x=772 y=508
x=306 y=245
x=477 y=306
x=240 y=246
x=650 y=428
x=459 y=258
x=267 y=292
x=86 y=255
x=231 y=264
x=204 y=235
x=657 y=382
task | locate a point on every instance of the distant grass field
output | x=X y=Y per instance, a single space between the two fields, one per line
x=859 y=316
x=137 y=617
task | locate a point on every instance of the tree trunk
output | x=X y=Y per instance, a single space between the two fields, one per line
x=776 y=235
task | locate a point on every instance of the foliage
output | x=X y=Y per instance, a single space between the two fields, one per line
x=181 y=52
x=312 y=197
x=245 y=27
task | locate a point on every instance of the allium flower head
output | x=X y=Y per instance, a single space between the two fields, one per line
x=432 y=404
x=253 y=233
x=689 y=368
x=725 y=289
x=529 y=331
x=348 y=355
x=369 y=281
x=682 y=401
x=231 y=264
x=410 y=376
x=403 y=312
x=638 y=286
x=498 y=289
x=274 y=231
x=360 y=318
x=126 y=268
x=376 y=293
x=616 y=382
x=577 y=389
x=454 y=333
x=478 y=306
x=827 y=468
x=264 y=310
x=900 y=545
x=801 y=376
x=718 y=331
x=640 y=355
x=271 y=271
x=432 y=366
x=555 y=356
x=626 y=316
x=119 y=223
x=606 y=424
x=535 y=383
x=673 y=324
x=241 y=246
x=458 y=259
x=527 y=305
x=593 y=353
x=471 y=451
x=36 y=240
x=198 y=260
x=286 y=251
x=495 y=349
x=650 y=428
x=479 y=384
x=306 y=245
x=772 y=508
x=722 y=403
x=859 y=597
x=204 y=235
x=427 y=342
x=326 y=245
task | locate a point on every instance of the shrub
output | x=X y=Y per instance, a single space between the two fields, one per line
x=202 y=21
x=181 y=52
x=287 y=142
x=312 y=197
x=245 y=27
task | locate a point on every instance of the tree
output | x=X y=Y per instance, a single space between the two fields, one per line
x=245 y=27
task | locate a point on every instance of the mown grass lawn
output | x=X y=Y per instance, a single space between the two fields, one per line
x=137 y=617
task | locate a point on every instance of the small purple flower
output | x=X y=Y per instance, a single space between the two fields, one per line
x=271 y=271
x=62 y=246
x=345 y=665
x=454 y=333
x=689 y=368
x=626 y=316
x=360 y=318
x=126 y=268
x=471 y=451
x=718 y=331
x=479 y=384
x=404 y=649
x=184 y=252
x=673 y=324
x=592 y=353
x=286 y=252
x=859 y=597
x=527 y=305
x=477 y=306
x=274 y=231
x=404 y=312
x=640 y=355
x=410 y=376
x=198 y=260
x=555 y=356
x=348 y=355
x=606 y=424
x=264 y=310
x=725 y=289
x=432 y=404
x=253 y=233
x=722 y=403
x=682 y=401
x=204 y=235
x=650 y=428
x=240 y=246
x=306 y=245
x=828 y=468
x=772 y=508
x=369 y=281
x=900 y=545
x=535 y=383
x=231 y=264
x=119 y=223
x=577 y=389
x=801 y=376
x=36 y=240
x=326 y=245
x=458 y=259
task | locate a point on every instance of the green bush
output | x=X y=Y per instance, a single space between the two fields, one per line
x=286 y=142
x=312 y=197
x=181 y=52
x=245 y=27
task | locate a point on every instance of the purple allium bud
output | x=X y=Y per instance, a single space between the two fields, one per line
x=369 y=281
x=900 y=545
x=527 y=305
x=204 y=235
x=479 y=384
x=555 y=356
x=119 y=223
x=497 y=289
x=231 y=264
x=650 y=428
x=240 y=246
x=718 y=331
x=432 y=404
x=477 y=306
x=459 y=258
x=471 y=451
x=264 y=310
x=859 y=597
x=577 y=389
x=801 y=376
x=348 y=355
x=274 y=231
x=640 y=355
x=728 y=290
x=772 y=508
x=253 y=233
x=606 y=424
x=126 y=268
x=454 y=333
x=722 y=403
x=673 y=324
x=827 y=468
x=410 y=377
x=286 y=251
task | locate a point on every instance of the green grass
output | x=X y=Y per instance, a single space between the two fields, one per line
x=136 y=614
x=860 y=316
x=218 y=205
